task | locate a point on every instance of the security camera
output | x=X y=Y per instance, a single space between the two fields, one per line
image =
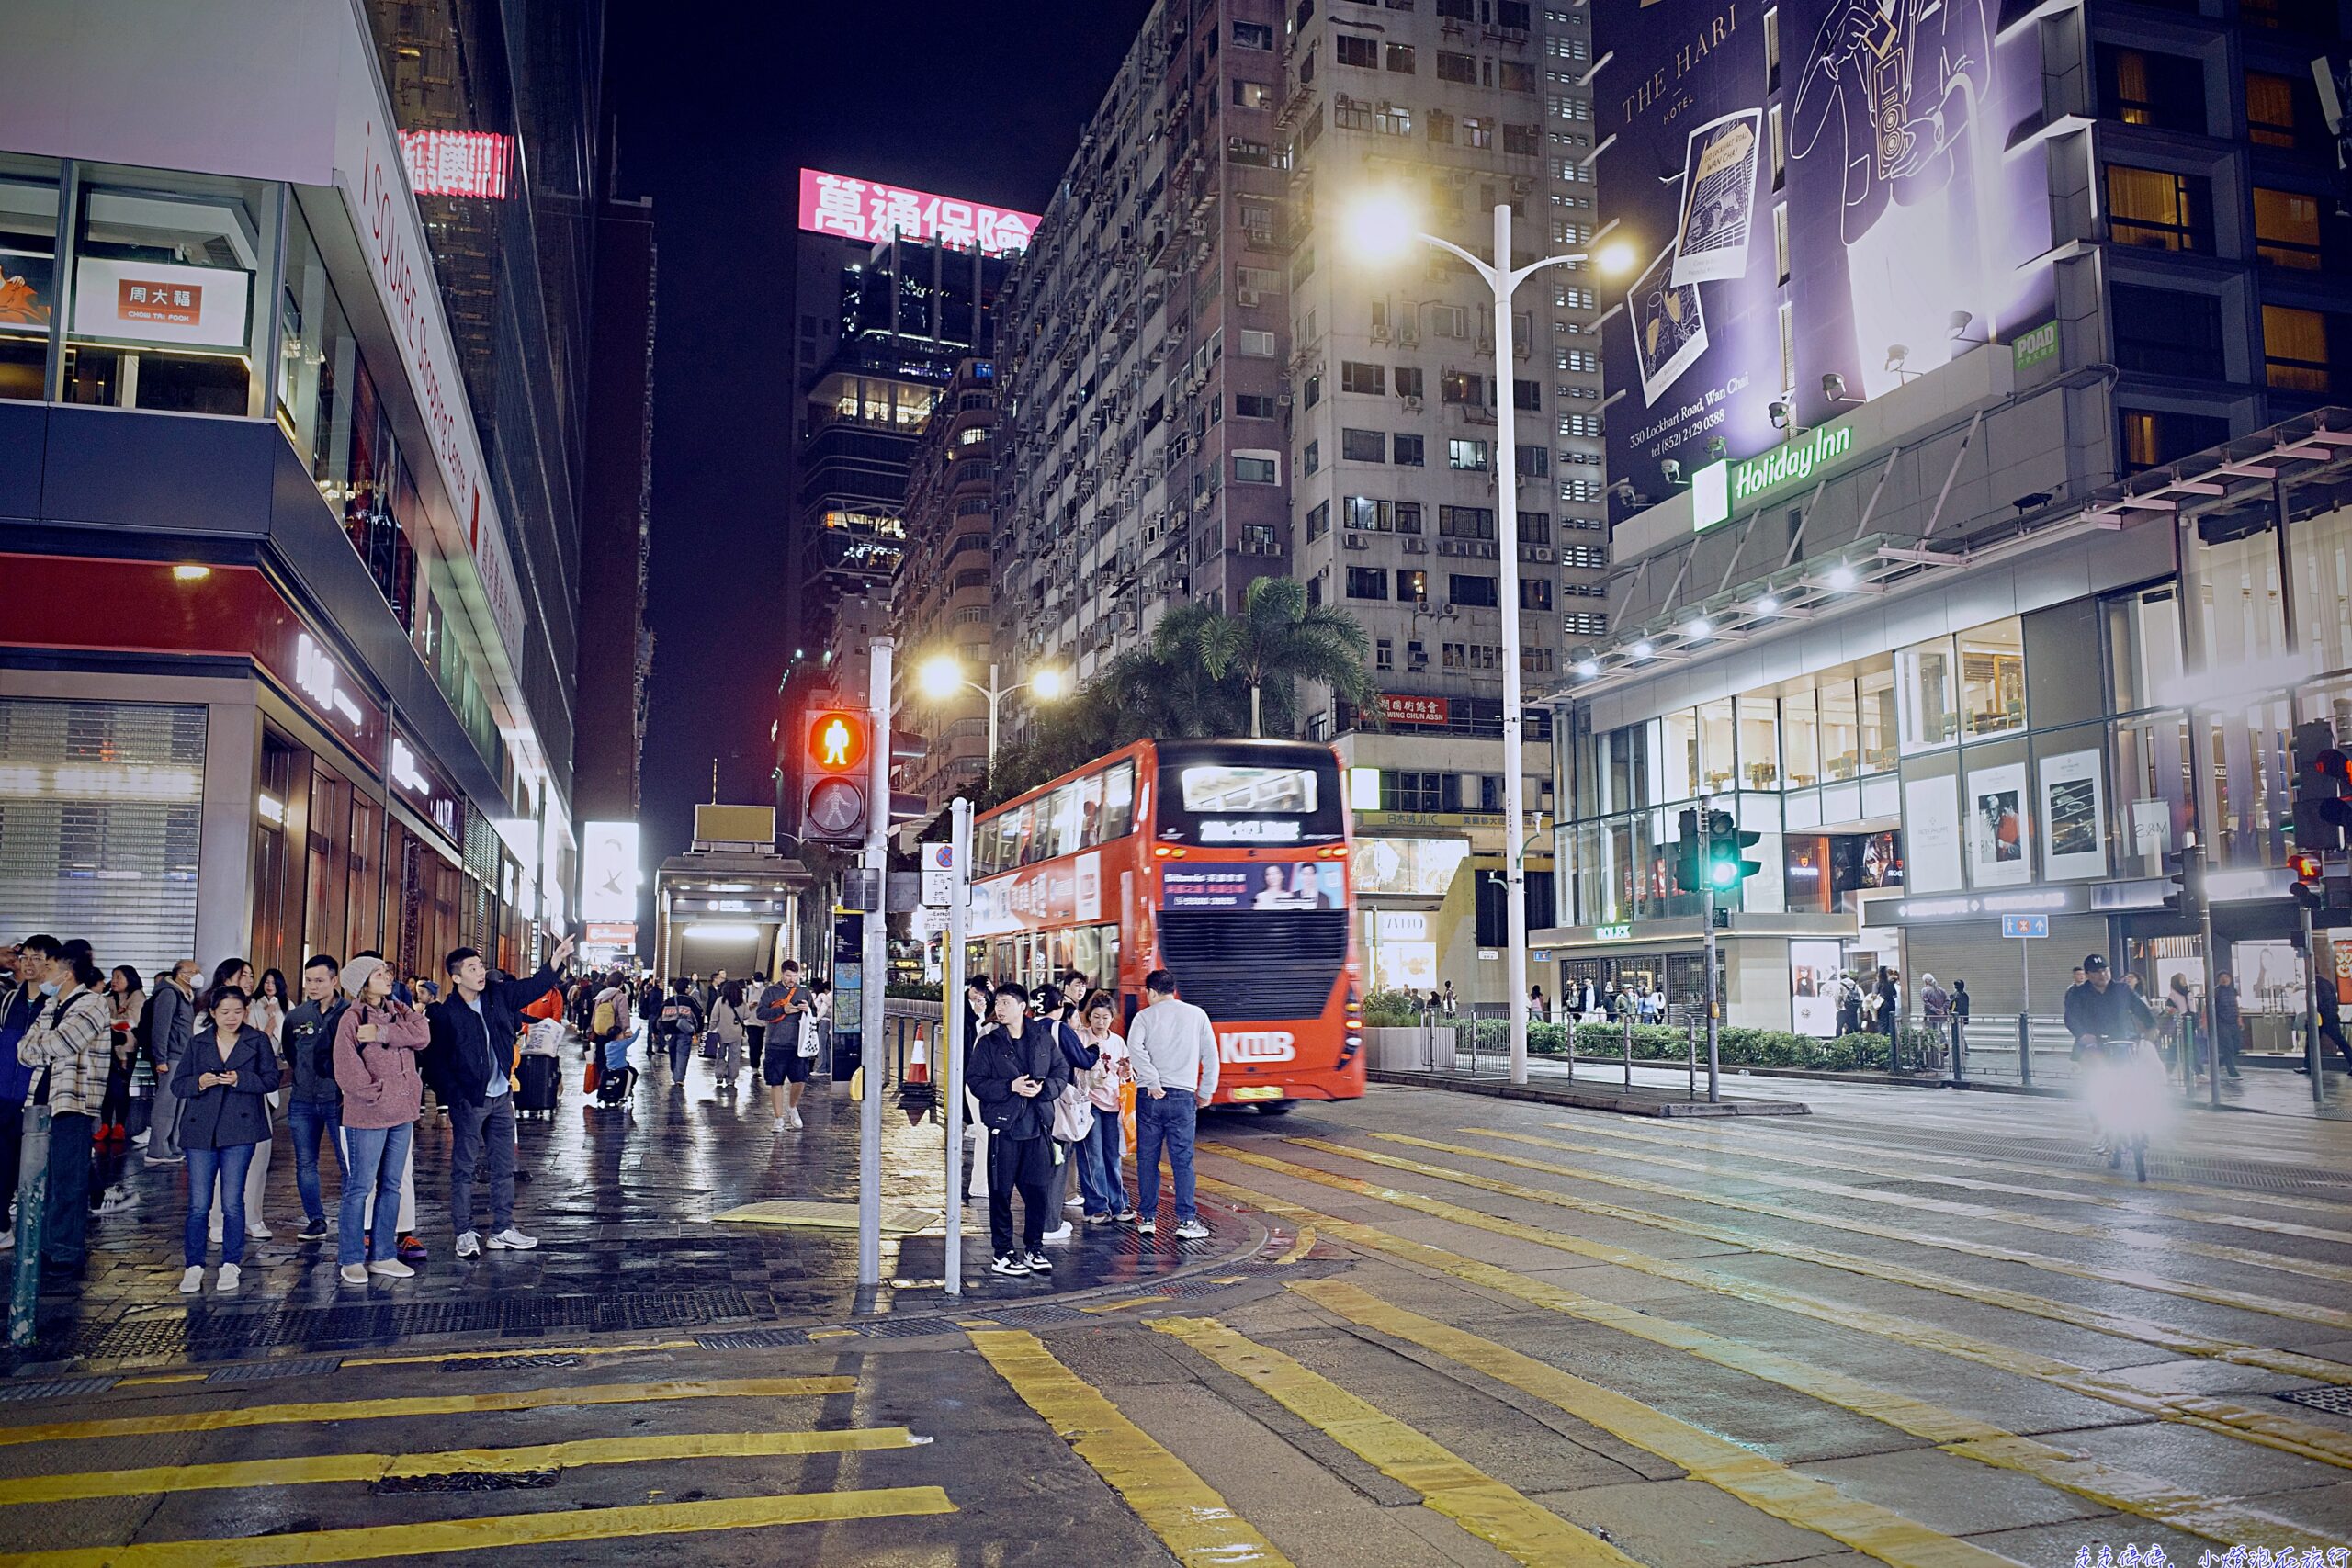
x=1833 y=387
x=1960 y=320
x=1717 y=448
x=1779 y=415
x=1896 y=354
x=1671 y=470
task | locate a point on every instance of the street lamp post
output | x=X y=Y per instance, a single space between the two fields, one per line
x=944 y=676
x=1385 y=226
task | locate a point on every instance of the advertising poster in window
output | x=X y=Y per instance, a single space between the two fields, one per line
x=1931 y=831
x=1814 y=968
x=1684 y=180
x=158 y=303
x=1408 y=868
x=2074 y=816
x=1913 y=223
x=28 y=292
x=1262 y=885
x=1998 y=833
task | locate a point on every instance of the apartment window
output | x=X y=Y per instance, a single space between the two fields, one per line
x=2286 y=228
x=1252 y=405
x=1515 y=76
x=1255 y=470
x=1408 y=516
x=1464 y=453
x=1535 y=462
x=1584 y=359
x=1514 y=16
x=1478 y=130
x=1772 y=48
x=1406 y=449
x=1788 y=345
x=1403 y=790
x=1351 y=114
x=1356 y=376
x=1453 y=67
x=1399 y=57
x=2144 y=87
x=1534 y=527
x=1311 y=392
x=1258 y=222
x=1356 y=49
x=2280 y=111
x=1522 y=141
x=1409 y=381
x=1449 y=321
x=1465 y=522
x=1256 y=344
x=1441 y=128
x=1779 y=147
x=1258 y=539
x=2154 y=437
x=1364 y=445
x=1412 y=586
x=2160 y=210
x=1477 y=590
x=1242 y=149
x=1780 y=233
x=1384 y=653
x=1319 y=521
x=1310 y=460
x=2168 y=332
x=1367 y=582
x=1254 y=35
x=1535 y=593
x=1393 y=120
x=1369 y=515
x=2296 y=349
x=1251 y=95
x=1417 y=655
x=1527 y=396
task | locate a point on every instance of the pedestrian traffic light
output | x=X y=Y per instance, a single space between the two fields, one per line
x=834 y=800
x=1727 y=846
x=1687 y=853
x=2310 y=879
x=2323 y=789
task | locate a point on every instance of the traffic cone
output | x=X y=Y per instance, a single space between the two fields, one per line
x=918 y=1069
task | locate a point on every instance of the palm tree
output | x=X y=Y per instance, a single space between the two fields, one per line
x=1277 y=641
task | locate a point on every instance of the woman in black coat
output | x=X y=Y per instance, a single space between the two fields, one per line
x=222 y=1082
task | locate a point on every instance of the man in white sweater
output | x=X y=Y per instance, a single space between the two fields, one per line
x=1172 y=1047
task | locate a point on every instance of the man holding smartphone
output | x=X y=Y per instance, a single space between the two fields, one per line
x=1017 y=1071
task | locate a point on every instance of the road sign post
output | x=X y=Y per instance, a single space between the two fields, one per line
x=2025 y=929
x=958 y=851
x=874 y=970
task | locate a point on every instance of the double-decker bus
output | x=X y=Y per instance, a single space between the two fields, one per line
x=1223 y=862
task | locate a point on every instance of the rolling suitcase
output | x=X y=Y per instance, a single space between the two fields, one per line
x=539 y=1076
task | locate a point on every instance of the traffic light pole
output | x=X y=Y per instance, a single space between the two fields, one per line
x=1714 y=1011
x=2313 y=1063
x=874 y=973
x=952 y=1044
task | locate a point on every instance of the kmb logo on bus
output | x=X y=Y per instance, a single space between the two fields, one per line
x=1261 y=1045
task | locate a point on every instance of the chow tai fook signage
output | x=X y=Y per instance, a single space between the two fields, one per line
x=1398 y=708
x=869 y=209
x=158 y=303
x=457 y=163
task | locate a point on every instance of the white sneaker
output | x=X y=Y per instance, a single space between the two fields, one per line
x=513 y=1240
x=1075 y=1200
x=115 y=1202
x=1192 y=1230
x=256 y=1231
x=780 y=1124
x=229 y=1274
x=796 y=1123
x=391 y=1269
x=141 y=1141
x=1060 y=1233
x=353 y=1273
x=469 y=1245
x=191 y=1280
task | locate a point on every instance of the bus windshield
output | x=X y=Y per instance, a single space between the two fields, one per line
x=1214 y=788
x=1249 y=792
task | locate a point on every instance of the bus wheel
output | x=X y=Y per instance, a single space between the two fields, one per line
x=1277 y=1108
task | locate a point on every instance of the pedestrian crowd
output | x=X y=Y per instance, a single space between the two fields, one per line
x=195 y=1075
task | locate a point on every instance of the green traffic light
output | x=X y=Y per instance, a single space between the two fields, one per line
x=1724 y=872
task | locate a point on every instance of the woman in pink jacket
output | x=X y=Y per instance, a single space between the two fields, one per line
x=376 y=1045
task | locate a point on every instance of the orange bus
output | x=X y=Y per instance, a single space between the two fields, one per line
x=1223 y=862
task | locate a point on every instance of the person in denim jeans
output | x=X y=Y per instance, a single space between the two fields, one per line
x=1100 y=1177
x=314 y=1109
x=223 y=1082
x=1172 y=1046
x=376 y=1045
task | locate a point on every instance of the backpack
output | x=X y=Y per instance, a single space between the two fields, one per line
x=678 y=1017
x=604 y=1022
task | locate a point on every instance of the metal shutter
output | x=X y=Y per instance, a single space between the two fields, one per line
x=1977 y=952
x=100 y=806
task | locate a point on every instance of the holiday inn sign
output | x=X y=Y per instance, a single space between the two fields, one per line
x=1721 y=488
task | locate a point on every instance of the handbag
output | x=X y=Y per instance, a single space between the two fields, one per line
x=1073 y=1116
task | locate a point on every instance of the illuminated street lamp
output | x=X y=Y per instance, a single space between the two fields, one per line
x=1381 y=227
x=941 y=676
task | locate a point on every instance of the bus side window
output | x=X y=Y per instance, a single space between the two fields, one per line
x=1090 y=811
x=1118 y=800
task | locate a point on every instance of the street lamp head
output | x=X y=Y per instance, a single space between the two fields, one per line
x=1615 y=259
x=1048 y=685
x=941 y=676
x=1380 y=226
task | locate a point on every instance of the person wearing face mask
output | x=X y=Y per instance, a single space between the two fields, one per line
x=223 y=1083
x=70 y=1046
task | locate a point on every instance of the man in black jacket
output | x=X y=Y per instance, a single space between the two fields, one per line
x=469 y=1064
x=1017 y=1072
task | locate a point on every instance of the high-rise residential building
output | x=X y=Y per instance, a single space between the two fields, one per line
x=292 y=359
x=1204 y=387
x=1988 y=527
x=615 y=525
x=944 y=602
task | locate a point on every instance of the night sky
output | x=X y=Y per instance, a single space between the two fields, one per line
x=715 y=116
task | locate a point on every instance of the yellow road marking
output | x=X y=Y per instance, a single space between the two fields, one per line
x=1774 y=1488
x=1300 y=1248
x=424 y=1404
x=1124 y=1305
x=2124 y=1490
x=520 y=1348
x=2264 y=1425
x=2052 y=1170
x=2124 y=1325
x=832 y=1334
x=424 y=1538
x=2246 y=1256
x=306 y=1469
x=1966 y=1183
x=161 y=1378
x=1181 y=1509
x=1448 y=1484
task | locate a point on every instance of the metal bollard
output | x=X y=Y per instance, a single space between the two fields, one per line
x=32 y=1207
x=1691 y=1060
x=1959 y=1052
x=1629 y=1050
x=2025 y=1050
